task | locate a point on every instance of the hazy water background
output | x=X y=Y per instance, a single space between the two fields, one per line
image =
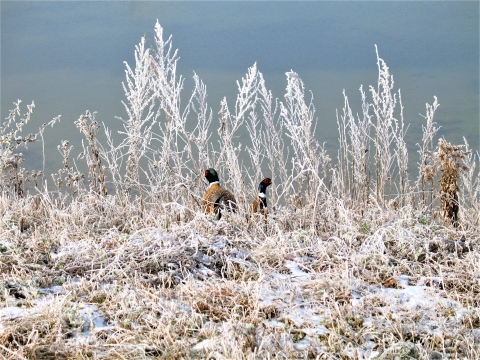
x=68 y=57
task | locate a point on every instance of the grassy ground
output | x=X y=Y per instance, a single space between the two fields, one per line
x=392 y=286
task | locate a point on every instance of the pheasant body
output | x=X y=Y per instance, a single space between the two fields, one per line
x=259 y=204
x=216 y=198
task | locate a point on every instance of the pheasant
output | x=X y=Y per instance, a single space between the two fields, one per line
x=259 y=204
x=217 y=198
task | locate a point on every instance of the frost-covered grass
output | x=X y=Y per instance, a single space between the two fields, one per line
x=403 y=290
x=356 y=260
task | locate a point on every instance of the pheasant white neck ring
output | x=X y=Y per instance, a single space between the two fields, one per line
x=210 y=185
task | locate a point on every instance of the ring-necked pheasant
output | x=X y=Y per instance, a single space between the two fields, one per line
x=217 y=198
x=259 y=204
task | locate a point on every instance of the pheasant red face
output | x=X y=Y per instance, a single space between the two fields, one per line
x=267 y=181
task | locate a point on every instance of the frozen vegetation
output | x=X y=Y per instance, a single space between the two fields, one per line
x=358 y=258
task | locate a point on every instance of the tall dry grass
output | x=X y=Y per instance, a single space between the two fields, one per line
x=119 y=261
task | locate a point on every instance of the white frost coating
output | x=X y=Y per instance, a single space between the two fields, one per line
x=295 y=270
x=275 y=324
x=292 y=74
x=13 y=312
x=204 y=345
x=399 y=302
x=317 y=331
x=92 y=316
x=302 y=344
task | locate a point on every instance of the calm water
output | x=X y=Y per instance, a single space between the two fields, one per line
x=68 y=57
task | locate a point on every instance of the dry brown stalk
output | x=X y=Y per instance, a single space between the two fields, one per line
x=451 y=165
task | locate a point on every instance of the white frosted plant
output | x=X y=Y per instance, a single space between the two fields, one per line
x=401 y=154
x=89 y=127
x=201 y=134
x=361 y=143
x=69 y=175
x=353 y=153
x=388 y=130
x=179 y=155
x=142 y=114
x=229 y=127
x=11 y=139
x=167 y=89
x=469 y=198
x=256 y=151
x=426 y=165
x=272 y=140
x=299 y=121
x=164 y=156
